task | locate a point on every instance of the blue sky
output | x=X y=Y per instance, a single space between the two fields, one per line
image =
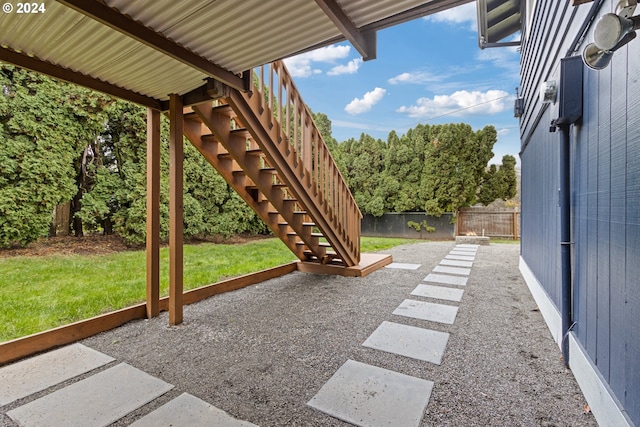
x=429 y=71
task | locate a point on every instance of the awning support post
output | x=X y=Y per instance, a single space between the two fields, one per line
x=176 y=214
x=153 y=213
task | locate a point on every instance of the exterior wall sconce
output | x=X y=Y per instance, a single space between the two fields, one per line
x=611 y=33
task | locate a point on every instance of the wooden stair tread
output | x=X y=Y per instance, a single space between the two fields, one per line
x=293 y=233
x=253 y=152
x=240 y=130
x=321 y=244
x=223 y=108
x=255 y=187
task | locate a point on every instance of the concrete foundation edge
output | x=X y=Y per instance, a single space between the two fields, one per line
x=604 y=405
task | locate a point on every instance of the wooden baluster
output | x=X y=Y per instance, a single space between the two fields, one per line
x=270 y=102
x=261 y=84
x=295 y=128
x=306 y=144
x=334 y=184
x=314 y=158
x=288 y=114
x=280 y=84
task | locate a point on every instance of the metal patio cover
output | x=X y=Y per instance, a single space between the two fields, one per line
x=144 y=50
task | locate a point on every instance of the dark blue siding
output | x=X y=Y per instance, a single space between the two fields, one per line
x=630 y=331
x=605 y=196
x=603 y=177
x=618 y=226
x=540 y=219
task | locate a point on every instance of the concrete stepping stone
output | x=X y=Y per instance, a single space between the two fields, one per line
x=456 y=263
x=461 y=257
x=446 y=279
x=416 y=343
x=427 y=311
x=403 y=266
x=368 y=396
x=463 y=253
x=187 y=410
x=467 y=250
x=95 y=401
x=467 y=246
x=438 y=292
x=38 y=373
x=452 y=270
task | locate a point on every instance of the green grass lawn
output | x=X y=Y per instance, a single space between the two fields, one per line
x=40 y=293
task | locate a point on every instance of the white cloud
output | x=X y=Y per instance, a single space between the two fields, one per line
x=465 y=14
x=415 y=78
x=504 y=131
x=350 y=68
x=359 y=106
x=506 y=58
x=460 y=103
x=301 y=65
x=361 y=126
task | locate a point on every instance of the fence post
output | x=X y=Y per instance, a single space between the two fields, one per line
x=515 y=225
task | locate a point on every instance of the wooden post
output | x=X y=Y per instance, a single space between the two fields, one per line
x=176 y=224
x=515 y=225
x=153 y=213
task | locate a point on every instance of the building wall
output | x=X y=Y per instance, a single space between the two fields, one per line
x=605 y=196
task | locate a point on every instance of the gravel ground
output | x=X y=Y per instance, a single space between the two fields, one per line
x=262 y=352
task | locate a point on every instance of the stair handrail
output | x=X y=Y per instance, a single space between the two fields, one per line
x=315 y=163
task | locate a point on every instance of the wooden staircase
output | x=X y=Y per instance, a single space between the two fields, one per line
x=266 y=146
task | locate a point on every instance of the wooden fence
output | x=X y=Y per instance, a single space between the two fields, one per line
x=504 y=224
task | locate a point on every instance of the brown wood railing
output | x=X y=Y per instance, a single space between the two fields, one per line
x=326 y=196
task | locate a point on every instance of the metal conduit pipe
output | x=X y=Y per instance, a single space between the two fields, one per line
x=565 y=237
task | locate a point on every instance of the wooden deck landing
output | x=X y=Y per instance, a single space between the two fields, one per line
x=368 y=264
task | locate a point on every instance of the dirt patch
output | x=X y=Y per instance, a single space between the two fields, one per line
x=98 y=244
x=67 y=245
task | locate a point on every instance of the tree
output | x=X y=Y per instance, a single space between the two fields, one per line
x=119 y=195
x=499 y=183
x=491 y=187
x=45 y=127
x=364 y=163
x=401 y=179
x=508 y=176
x=455 y=160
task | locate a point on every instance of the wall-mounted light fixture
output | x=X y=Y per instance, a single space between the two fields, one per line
x=611 y=33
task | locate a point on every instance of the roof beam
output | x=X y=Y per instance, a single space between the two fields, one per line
x=62 y=73
x=429 y=8
x=363 y=41
x=127 y=26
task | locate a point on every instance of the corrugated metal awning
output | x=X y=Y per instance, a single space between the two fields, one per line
x=144 y=50
x=497 y=20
